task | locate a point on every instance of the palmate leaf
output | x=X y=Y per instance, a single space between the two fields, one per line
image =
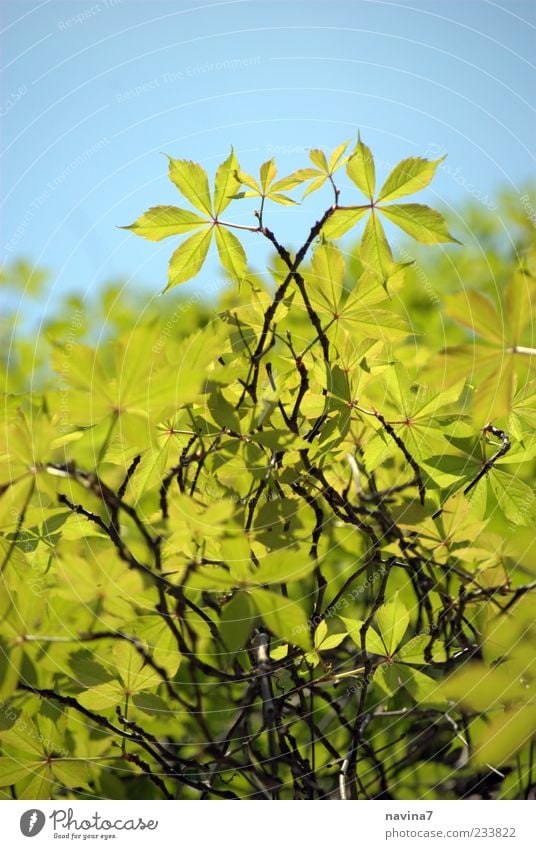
x=270 y=188
x=392 y=621
x=225 y=183
x=327 y=273
x=375 y=251
x=341 y=221
x=493 y=361
x=231 y=253
x=424 y=224
x=189 y=257
x=191 y=180
x=409 y=176
x=160 y=222
x=373 y=642
x=325 y=169
x=475 y=311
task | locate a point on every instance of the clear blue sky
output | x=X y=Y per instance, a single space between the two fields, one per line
x=93 y=91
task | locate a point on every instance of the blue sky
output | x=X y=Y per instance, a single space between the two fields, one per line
x=92 y=92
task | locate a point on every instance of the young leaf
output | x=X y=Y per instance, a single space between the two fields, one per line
x=192 y=182
x=189 y=257
x=159 y=222
x=360 y=168
x=231 y=253
x=424 y=224
x=409 y=176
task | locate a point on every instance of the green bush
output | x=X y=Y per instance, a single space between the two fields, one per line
x=278 y=547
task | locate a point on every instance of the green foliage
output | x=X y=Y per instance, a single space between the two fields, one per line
x=245 y=543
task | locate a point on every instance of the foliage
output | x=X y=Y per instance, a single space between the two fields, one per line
x=281 y=549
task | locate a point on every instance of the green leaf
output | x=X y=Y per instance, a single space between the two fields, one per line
x=328 y=267
x=386 y=678
x=375 y=251
x=283 y=566
x=246 y=180
x=514 y=497
x=237 y=621
x=282 y=199
x=414 y=650
x=423 y=688
x=152 y=704
x=102 y=697
x=40 y=787
x=86 y=671
x=231 y=253
x=69 y=773
x=336 y=158
x=189 y=257
x=225 y=184
x=505 y=736
x=11 y=771
x=392 y=620
x=424 y=224
x=192 y=182
x=331 y=642
x=409 y=176
x=314 y=186
x=283 y=617
x=475 y=311
x=294 y=179
x=373 y=642
x=320 y=633
x=318 y=158
x=360 y=168
x=159 y=222
x=341 y=221
x=132 y=669
x=268 y=173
